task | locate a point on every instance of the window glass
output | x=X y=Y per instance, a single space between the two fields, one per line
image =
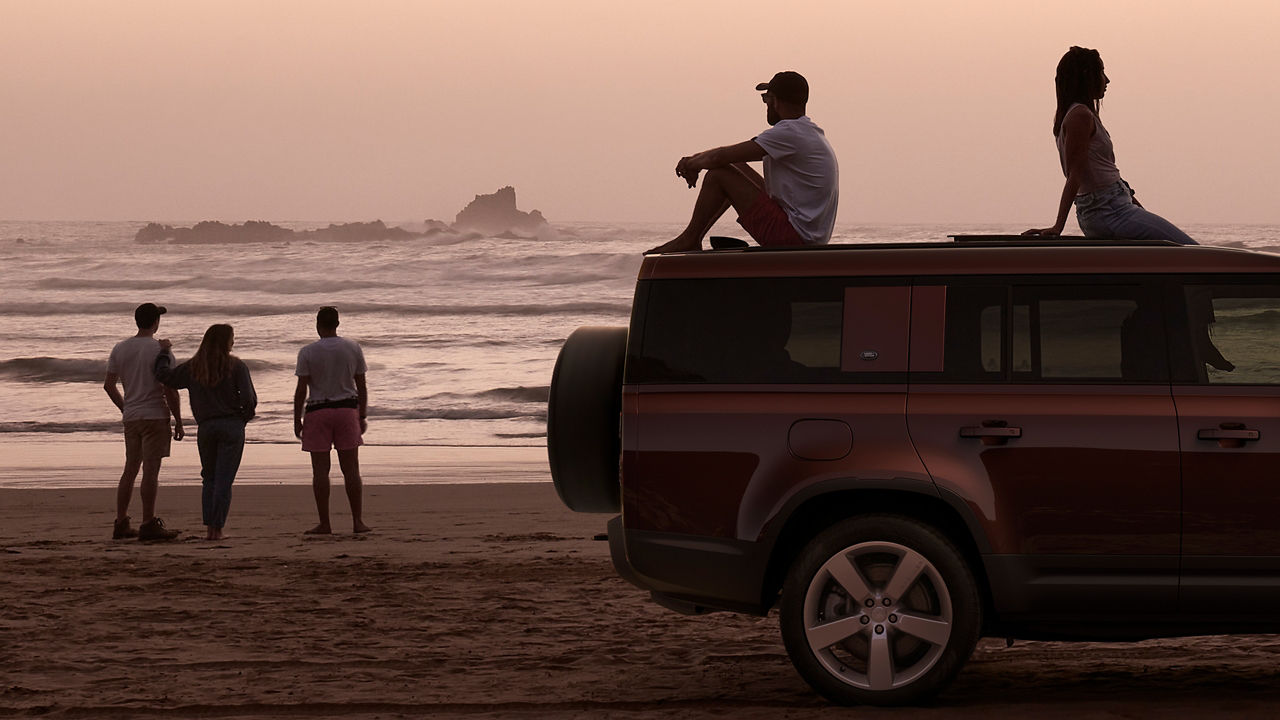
x=1065 y=332
x=741 y=330
x=974 y=349
x=1082 y=338
x=1235 y=333
x=992 y=331
x=1087 y=333
x=1021 y=338
x=815 y=333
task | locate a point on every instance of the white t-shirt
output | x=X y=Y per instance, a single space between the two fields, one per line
x=332 y=364
x=801 y=175
x=133 y=361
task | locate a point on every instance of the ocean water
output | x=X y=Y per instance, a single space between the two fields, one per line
x=460 y=334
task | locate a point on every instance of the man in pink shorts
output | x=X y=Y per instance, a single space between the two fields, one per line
x=793 y=203
x=330 y=410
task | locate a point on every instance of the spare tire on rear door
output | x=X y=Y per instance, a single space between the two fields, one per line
x=584 y=412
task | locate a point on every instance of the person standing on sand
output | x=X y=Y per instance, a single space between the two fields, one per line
x=1106 y=207
x=794 y=203
x=332 y=395
x=222 y=402
x=144 y=408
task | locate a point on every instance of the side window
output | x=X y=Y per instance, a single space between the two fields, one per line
x=740 y=331
x=1087 y=333
x=974 y=335
x=1234 y=333
x=814 y=341
x=1065 y=332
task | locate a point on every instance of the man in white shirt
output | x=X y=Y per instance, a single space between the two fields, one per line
x=333 y=396
x=144 y=408
x=794 y=203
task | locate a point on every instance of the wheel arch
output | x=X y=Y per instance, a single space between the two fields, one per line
x=821 y=507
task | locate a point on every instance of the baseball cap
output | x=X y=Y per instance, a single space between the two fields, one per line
x=788 y=86
x=147 y=314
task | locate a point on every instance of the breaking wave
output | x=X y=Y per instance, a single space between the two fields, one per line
x=74 y=370
x=49 y=369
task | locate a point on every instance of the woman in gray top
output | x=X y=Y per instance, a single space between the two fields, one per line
x=222 y=402
x=1106 y=206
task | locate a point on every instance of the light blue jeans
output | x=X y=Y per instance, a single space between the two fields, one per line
x=221 y=445
x=1110 y=212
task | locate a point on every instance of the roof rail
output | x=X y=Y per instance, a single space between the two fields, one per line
x=1052 y=240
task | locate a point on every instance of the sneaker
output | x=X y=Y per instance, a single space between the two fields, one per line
x=122 y=530
x=155 y=530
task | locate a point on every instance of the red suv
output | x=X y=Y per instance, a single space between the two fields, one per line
x=908 y=447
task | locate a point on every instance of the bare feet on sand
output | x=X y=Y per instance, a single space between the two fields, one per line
x=322 y=529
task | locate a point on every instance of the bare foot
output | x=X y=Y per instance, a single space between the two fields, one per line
x=360 y=527
x=677 y=245
x=321 y=529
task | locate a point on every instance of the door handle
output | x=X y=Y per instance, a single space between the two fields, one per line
x=1229 y=435
x=991 y=432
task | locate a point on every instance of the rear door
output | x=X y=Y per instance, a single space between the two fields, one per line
x=741 y=391
x=1052 y=419
x=1227 y=362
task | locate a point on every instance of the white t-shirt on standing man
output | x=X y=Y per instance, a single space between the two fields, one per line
x=133 y=361
x=332 y=364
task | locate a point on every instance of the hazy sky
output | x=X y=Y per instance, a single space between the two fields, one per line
x=939 y=111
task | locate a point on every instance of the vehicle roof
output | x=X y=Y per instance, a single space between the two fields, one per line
x=966 y=255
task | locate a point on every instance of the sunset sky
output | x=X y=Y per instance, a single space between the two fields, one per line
x=310 y=110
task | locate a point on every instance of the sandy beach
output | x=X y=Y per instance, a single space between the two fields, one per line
x=468 y=601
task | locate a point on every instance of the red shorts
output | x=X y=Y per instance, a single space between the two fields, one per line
x=768 y=223
x=331 y=428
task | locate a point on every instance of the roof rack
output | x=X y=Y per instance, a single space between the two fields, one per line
x=1053 y=241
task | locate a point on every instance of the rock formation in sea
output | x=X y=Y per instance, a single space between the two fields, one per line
x=492 y=215
x=211 y=231
x=257 y=231
x=496 y=213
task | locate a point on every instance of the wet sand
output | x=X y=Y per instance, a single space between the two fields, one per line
x=468 y=601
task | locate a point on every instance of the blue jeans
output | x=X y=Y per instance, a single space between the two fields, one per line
x=221 y=445
x=1110 y=212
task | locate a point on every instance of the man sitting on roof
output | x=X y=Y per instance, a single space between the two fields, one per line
x=794 y=203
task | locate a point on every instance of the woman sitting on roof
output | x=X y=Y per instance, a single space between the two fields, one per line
x=1105 y=204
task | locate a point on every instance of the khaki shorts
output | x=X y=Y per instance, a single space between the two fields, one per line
x=146 y=439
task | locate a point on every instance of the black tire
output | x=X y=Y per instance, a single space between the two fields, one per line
x=584 y=411
x=909 y=647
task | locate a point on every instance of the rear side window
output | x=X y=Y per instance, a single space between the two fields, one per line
x=1234 y=333
x=975 y=328
x=1064 y=332
x=1086 y=333
x=757 y=330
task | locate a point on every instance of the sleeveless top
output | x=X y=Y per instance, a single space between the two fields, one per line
x=1102 y=168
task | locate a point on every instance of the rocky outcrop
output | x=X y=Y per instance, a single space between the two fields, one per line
x=487 y=215
x=256 y=231
x=210 y=231
x=496 y=214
